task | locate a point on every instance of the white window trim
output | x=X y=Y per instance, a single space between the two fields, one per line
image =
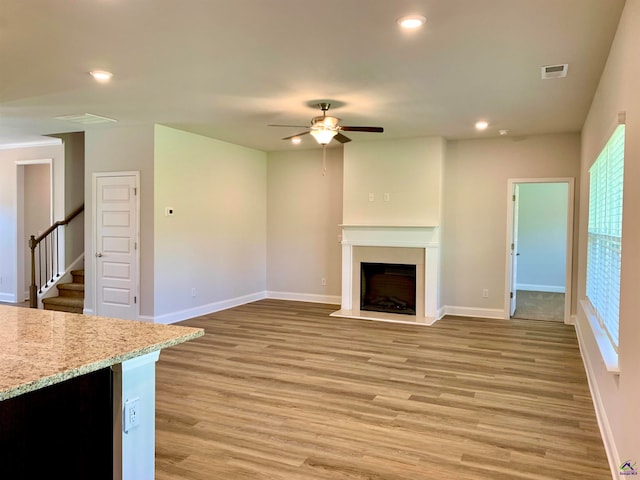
x=608 y=353
x=607 y=350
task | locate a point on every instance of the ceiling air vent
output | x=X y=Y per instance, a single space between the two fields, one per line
x=554 y=71
x=86 y=119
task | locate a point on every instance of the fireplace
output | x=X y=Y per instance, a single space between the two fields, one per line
x=396 y=247
x=388 y=287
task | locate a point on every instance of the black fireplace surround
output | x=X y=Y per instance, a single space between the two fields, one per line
x=388 y=287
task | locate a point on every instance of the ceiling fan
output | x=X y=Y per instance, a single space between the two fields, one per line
x=325 y=128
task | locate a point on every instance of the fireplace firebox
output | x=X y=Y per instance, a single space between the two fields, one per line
x=388 y=287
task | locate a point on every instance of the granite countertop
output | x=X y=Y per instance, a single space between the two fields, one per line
x=39 y=348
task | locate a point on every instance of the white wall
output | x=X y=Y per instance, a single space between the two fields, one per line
x=10 y=291
x=542 y=236
x=409 y=170
x=474 y=236
x=617 y=396
x=216 y=240
x=112 y=149
x=304 y=214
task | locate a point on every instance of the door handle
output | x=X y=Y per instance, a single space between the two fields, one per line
x=98 y=254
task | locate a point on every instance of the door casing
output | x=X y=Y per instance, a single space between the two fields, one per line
x=509 y=280
x=23 y=252
x=95 y=243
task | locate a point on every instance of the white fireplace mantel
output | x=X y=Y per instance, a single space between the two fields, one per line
x=391 y=235
x=423 y=237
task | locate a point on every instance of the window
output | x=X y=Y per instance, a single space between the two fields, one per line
x=604 y=242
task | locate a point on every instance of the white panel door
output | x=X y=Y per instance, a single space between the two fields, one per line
x=116 y=252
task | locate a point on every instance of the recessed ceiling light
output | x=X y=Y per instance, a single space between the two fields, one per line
x=101 y=75
x=296 y=140
x=482 y=125
x=503 y=132
x=412 y=21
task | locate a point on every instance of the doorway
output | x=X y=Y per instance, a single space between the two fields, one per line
x=34 y=215
x=539 y=249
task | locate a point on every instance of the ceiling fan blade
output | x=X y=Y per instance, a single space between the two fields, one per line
x=362 y=129
x=296 y=135
x=341 y=138
x=293 y=126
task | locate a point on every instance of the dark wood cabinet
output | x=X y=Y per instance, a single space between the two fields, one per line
x=64 y=430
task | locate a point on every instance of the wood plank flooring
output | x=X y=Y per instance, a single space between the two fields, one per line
x=279 y=390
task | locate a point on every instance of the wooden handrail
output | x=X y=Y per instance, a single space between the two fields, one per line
x=59 y=223
x=35 y=242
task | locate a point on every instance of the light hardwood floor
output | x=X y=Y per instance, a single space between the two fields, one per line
x=280 y=390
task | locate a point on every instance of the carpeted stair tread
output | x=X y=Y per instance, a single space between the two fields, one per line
x=64 y=304
x=78 y=276
x=71 y=295
x=71 y=289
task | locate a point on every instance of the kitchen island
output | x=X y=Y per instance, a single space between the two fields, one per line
x=77 y=393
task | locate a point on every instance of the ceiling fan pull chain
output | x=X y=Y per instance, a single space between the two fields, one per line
x=324 y=160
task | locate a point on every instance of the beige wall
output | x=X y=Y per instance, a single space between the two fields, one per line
x=409 y=170
x=36 y=212
x=474 y=235
x=113 y=149
x=304 y=213
x=216 y=240
x=11 y=279
x=73 y=193
x=617 y=396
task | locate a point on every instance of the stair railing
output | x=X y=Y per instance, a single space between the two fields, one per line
x=48 y=264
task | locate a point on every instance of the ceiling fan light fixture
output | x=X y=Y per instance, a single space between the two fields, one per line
x=324 y=128
x=296 y=140
x=323 y=134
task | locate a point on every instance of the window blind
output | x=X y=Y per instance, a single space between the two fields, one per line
x=604 y=242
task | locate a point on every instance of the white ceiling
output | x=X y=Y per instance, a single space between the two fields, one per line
x=229 y=68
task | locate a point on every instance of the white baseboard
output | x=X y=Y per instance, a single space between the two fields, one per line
x=305 y=297
x=188 y=313
x=473 y=312
x=540 y=288
x=601 y=415
x=206 y=309
x=8 y=298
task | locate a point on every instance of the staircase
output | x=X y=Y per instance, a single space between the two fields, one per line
x=71 y=295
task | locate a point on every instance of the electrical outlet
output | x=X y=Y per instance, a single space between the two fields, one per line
x=323 y=282
x=372 y=197
x=387 y=197
x=485 y=293
x=131 y=414
x=194 y=292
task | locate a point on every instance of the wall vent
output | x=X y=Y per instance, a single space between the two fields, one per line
x=86 y=119
x=554 y=71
